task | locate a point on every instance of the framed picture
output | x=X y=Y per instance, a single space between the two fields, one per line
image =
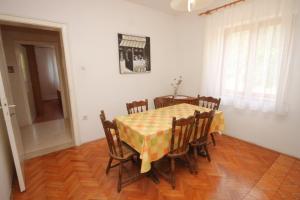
x=134 y=54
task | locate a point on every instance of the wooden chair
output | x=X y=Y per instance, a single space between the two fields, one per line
x=163 y=102
x=159 y=102
x=199 y=139
x=118 y=150
x=137 y=106
x=179 y=146
x=211 y=103
x=194 y=101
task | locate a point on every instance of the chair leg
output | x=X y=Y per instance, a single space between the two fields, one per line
x=199 y=149
x=109 y=164
x=213 y=138
x=120 y=176
x=190 y=164
x=173 y=172
x=195 y=158
x=207 y=154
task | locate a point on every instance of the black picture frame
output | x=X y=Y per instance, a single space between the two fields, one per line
x=134 y=54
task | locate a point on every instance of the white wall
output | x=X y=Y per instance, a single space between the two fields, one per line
x=175 y=50
x=93 y=28
x=189 y=49
x=278 y=133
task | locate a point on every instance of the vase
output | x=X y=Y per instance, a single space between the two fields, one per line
x=175 y=93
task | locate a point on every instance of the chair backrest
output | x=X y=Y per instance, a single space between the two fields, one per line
x=202 y=125
x=169 y=102
x=159 y=102
x=181 y=133
x=112 y=136
x=137 y=106
x=164 y=102
x=193 y=101
x=209 y=102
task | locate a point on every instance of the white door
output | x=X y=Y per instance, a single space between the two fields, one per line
x=8 y=109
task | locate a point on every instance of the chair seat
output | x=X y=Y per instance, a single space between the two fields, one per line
x=176 y=153
x=199 y=142
x=128 y=151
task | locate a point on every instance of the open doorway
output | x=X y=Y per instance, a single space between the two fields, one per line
x=39 y=88
x=47 y=89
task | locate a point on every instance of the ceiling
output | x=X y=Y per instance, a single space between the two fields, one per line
x=164 y=5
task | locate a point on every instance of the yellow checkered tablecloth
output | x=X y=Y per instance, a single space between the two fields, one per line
x=149 y=132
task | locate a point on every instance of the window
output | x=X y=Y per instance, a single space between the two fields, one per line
x=248 y=49
x=251 y=61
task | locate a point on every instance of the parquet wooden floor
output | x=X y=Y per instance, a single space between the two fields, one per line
x=238 y=171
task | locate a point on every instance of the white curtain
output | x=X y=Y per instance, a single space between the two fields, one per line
x=48 y=74
x=247 y=52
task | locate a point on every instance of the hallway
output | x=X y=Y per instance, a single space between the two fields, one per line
x=45 y=137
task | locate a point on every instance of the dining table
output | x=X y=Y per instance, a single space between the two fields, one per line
x=149 y=133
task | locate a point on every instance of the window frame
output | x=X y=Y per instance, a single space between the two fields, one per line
x=249 y=26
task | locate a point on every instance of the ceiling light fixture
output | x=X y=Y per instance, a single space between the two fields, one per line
x=189 y=5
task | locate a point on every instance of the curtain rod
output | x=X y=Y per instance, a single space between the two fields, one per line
x=208 y=12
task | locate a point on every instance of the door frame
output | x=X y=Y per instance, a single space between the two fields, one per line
x=66 y=61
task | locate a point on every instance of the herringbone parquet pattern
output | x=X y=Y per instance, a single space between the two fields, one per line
x=238 y=171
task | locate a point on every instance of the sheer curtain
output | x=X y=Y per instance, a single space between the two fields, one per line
x=247 y=54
